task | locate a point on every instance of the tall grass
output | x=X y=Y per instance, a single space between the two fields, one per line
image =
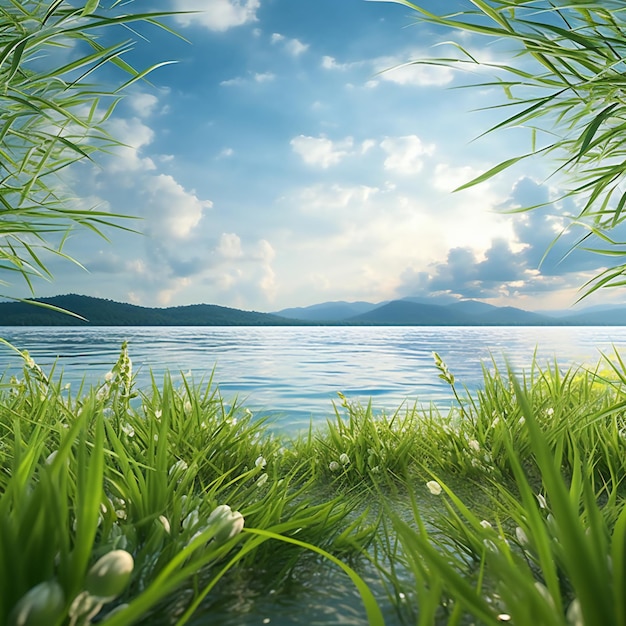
x=111 y=470
x=509 y=507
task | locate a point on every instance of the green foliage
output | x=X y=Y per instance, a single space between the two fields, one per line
x=114 y=472
x=565 y=83
x=53 y=114
x=511 y=505
x=101 y=312
x=540 y=540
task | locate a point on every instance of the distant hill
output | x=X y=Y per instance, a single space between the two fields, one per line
x=402 y=312
x=405 y=312
x=327 y=311
x=101 y=312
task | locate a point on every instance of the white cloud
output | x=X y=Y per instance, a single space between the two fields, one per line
x=264 y=77
x=448 y=178
x=173 y=211
x=143 y=104
x=397 y=70
x=225 y=153
x=135 y=135
x=321 y=151
x=405 y=154
x=334 y=199
x=164 y=296
x=330 y=63
x=229 y=246
x=293 y=46
x=217 y=15
x=259 y=77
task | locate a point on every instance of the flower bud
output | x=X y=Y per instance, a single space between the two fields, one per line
x=40 y=606
x=227 y=523
x=110 y=574
x=434 y=487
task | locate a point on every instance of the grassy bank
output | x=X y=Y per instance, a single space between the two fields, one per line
x=165 y=505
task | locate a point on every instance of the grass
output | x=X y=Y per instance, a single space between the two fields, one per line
x=507 y=508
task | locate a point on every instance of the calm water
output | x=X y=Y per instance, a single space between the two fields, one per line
x=295 y=373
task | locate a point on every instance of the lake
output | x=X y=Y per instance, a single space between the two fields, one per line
x=296 y=372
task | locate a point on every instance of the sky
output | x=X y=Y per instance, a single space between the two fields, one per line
x=291 y=157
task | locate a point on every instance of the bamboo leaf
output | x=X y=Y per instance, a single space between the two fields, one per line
x=90 y=7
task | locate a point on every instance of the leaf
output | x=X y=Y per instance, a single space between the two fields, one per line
x=90 y=7
x=492 y=172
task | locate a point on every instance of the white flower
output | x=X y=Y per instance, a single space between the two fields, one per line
x=344 y=459
x=108 y=377
x=474 y=445
x=165 y=523
x=50 y=458
x=521 y=421
x=43 y=604
x=179 y=466
x=542 y=501
x=485 y=524
x=260 y=462
x=550 y=412
x=128 y=429
x=333 y=466
x=103 y=392
x=574 y=614
x=521 y=535
x=434 y=487
x=227 y=523
x=261 y=480
x=110 y=574
x=191 y=521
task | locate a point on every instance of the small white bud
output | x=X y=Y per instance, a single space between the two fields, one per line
x=40 y=606
x=434 y=487
x=110 y=574
x=227 y=523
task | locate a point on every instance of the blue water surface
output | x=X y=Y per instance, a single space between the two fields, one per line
x=295 y=373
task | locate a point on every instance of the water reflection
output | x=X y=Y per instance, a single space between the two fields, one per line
x=297 y=372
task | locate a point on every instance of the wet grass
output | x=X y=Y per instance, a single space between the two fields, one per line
x=507 y=508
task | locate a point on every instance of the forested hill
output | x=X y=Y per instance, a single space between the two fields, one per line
x=101 y=312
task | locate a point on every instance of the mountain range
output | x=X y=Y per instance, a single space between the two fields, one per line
x=403 y=312
x=451 y=312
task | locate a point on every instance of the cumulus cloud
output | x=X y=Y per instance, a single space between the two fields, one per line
x=294 y=47
x=216 y=15
x=405 y=155
x=173 y=211
x=534 y=260
x=135 y=135
x=330 y=63
x=143 y=104
x=229 y=246
x=321 y=151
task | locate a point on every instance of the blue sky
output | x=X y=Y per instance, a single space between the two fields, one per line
x=282 y=162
